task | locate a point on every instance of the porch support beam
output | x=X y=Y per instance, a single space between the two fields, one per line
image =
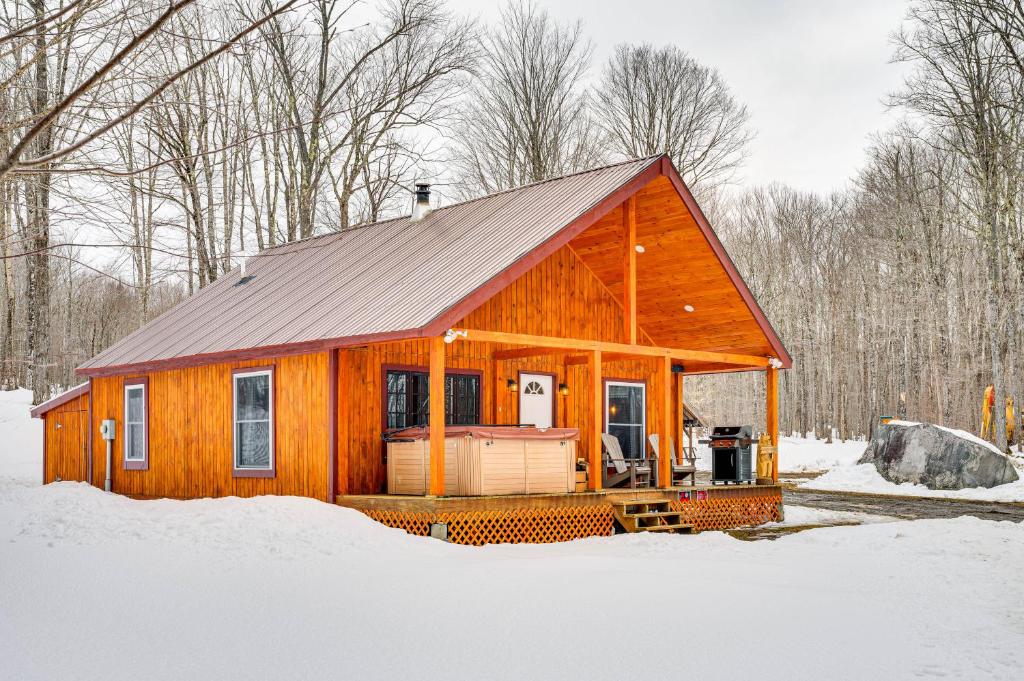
x=519 y=353
x=665 y=458
x=680 y=424
x=437 y=416
x=622 y=349
x=594 y=480
x=629 y=269
x=772 y=415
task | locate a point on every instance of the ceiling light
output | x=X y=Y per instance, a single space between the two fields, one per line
x=639 y=248
x=688 y=308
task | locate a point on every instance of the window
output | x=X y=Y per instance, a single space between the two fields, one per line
x=135 y=423
x=625 y=416
x=408 y=398
x=534 y=388
x=254 y=423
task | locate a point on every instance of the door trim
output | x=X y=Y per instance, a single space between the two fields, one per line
x=554 y=394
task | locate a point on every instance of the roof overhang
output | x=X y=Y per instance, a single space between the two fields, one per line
x=54 y=402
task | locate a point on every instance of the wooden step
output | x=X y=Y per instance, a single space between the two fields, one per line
x=677 y=527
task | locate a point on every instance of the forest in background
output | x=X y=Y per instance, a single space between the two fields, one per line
x=147 y=147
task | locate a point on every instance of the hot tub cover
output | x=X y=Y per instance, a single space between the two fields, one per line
x=491 y=433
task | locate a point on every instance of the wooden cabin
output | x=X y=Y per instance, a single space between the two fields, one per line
x=548 y=304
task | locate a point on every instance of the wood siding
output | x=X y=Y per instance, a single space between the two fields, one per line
x=190 y=432
x=66 y=441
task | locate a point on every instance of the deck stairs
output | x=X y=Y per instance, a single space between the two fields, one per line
x=648 y=516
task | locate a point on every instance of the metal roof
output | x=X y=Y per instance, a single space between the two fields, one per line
x=391 y=277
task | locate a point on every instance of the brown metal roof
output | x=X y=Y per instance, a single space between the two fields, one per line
x=54 y=402
x=388 y=279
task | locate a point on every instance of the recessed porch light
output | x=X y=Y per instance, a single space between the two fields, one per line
x=639 y=248
x=688 y=308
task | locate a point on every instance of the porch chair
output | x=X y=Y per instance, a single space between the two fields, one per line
x=680 y=468
x=635 y=472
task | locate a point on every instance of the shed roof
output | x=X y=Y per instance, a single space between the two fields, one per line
x=54 y=402
x=393 y=279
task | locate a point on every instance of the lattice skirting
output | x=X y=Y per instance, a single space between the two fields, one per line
x=725 y=512
x=511 y=526
x=720 y=510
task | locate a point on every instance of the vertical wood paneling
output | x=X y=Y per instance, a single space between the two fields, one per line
x=66 y=440
x=190 y=431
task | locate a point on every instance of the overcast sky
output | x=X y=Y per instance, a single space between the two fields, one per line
x=814 y=73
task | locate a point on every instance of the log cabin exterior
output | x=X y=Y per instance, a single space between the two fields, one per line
x=610 y=277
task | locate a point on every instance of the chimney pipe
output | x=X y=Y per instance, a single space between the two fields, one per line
x=421 y=205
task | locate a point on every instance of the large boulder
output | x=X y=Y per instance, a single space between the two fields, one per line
x=936 y=457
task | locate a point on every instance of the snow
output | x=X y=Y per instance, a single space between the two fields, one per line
x=963 y=434
x=865 y=478
x=798 y=455
x=21 y=437
x=97 y=586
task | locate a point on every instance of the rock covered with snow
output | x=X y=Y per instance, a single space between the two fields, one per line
x=936 y=457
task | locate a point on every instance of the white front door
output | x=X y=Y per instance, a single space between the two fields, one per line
x=537 y=400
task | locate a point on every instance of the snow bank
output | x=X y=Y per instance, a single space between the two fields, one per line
x=799 y=455
x=94 y=586
x=866 y=478
x=21 y=439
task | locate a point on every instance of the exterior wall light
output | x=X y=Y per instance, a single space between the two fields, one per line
x=513 y=385
x=563 y=389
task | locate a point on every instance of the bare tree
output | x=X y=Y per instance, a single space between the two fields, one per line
x=662 y=100
x=527 y=118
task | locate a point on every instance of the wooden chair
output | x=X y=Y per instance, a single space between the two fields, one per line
x=635 y=472
x=687 y=466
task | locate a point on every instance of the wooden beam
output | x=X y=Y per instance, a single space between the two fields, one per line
x=680 y=416
x=476 y=335
x=772 y=415
x=665 y=460
x=629 y=269
x=332 y=424
x=519 y=353
x=437 y=416
x=344 y=419
x=597 y=415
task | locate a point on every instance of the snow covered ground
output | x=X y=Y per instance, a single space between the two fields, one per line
x=96 y=586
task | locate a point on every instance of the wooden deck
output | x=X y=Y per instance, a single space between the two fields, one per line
x=541 y=518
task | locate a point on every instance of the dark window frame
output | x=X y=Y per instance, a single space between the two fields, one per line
x=420 y=369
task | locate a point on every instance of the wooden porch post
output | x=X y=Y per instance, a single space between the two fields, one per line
x=437 y=416
x=595 y=481
x=332 y=424
x=772 y=415
x=342 y=416
x=681 y=418
x=629 y=269
x=665 y=459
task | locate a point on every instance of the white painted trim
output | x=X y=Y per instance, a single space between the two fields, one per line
x=643 y=409
x=235 y=421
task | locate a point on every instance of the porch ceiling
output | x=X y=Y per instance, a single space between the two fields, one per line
x=677 y=268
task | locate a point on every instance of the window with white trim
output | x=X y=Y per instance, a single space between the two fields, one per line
x=135 y=422
x=254 y=420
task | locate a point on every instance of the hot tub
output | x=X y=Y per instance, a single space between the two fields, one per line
x=486 y=460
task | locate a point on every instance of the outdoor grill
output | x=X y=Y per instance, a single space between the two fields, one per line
x=731 y=460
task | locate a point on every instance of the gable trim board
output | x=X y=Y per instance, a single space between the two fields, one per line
x=458 y=309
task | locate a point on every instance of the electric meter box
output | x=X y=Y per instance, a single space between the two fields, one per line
x=107 y=429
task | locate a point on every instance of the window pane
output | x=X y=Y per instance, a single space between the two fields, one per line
x=134 y=441
x=253 y=444
x=625 y=404
x=253 y=397
x=136 y=408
